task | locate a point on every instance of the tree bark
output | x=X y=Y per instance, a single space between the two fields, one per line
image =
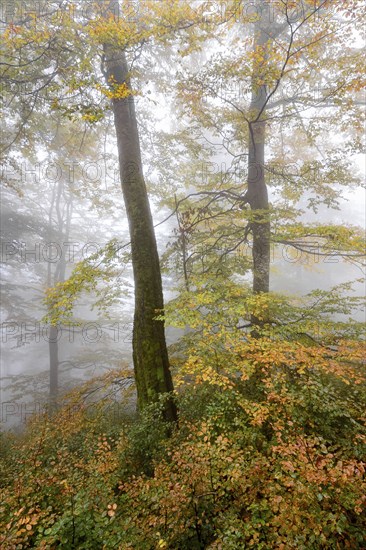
x=150 y=357
x=54 y=363
x=257 y=195
x=64 y=223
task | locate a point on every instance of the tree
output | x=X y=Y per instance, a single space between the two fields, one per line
x=38 y=251
x=150 y=356
x=269 y=451
x=257 y=194
x=149 y=348
x=273 y=88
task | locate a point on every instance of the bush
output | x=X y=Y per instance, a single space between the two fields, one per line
x=268 y=454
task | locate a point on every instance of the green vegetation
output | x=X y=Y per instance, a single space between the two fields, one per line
x=245 y=124
x=269 y=453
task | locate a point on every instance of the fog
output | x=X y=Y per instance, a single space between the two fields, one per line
x=49 y=223
x=101 y=343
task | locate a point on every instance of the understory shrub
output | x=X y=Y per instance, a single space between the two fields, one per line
x=269 y=453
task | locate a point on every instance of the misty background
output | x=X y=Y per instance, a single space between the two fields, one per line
x=60 y=205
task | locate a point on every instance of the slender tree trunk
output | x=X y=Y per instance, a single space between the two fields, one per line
x=257 y=195
x=258 y=201
x=54 y=362
x=58 y=276
x=182 y=240
x=150 y=357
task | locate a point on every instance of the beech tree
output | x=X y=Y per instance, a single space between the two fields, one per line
x=43 y=204
x=275 y=54
x=150 y=356
x=42 y=51
x=285 y=81
x=269 y=450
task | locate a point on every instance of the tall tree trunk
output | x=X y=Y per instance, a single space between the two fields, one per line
x=257 y=195
x=64 y=224
x=258 y=201
x=150 y=357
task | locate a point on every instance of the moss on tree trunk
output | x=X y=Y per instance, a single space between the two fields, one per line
x=150 y=357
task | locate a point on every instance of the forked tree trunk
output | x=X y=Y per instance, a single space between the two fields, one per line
x=150 y=357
